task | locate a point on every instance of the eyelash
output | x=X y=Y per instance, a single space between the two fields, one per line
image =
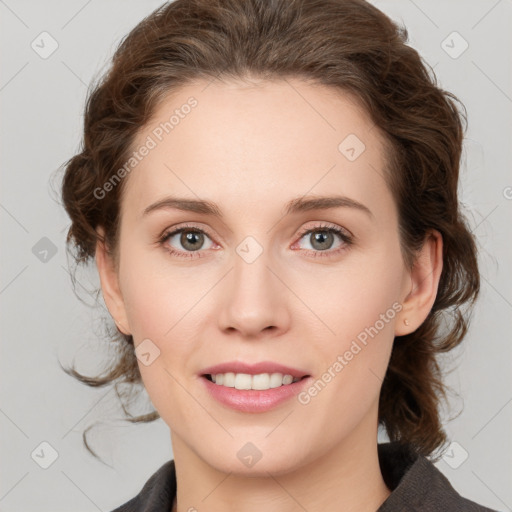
x=347 y=240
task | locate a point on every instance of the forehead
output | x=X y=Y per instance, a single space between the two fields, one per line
x=241 y=144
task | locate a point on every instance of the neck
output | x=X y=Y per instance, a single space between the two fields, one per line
x=347 y=477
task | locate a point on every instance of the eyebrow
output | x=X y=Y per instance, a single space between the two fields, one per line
x=297 y=205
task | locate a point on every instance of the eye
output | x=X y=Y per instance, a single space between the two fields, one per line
x=324 y=238
x=190 y=238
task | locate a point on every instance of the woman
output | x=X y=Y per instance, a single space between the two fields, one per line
x=269 y=191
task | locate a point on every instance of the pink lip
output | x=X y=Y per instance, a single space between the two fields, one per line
x=252 y=400
x=253 y=369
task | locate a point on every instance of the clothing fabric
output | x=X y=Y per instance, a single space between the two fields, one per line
x=416 y=486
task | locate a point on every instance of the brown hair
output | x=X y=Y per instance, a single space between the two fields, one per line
x=346 y=44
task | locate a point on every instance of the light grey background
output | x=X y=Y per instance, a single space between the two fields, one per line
x=42 y=320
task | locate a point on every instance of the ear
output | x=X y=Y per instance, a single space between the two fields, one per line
x=110 y=284
x=422 y=281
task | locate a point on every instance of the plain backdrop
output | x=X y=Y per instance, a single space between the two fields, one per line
x=43 y=411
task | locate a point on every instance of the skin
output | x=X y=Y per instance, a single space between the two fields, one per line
x=250 y=148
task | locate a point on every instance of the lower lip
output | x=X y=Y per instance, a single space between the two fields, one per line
x=253 y=400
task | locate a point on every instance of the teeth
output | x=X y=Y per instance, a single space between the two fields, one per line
x=261 y=381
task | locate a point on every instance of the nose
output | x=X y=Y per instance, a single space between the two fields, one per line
x=254 y=298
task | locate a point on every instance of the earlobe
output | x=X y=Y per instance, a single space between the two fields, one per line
x=423 y=280
x=110 y=284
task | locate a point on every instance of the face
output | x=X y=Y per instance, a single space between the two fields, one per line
x=317 y=289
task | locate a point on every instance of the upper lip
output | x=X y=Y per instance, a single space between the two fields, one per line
x=253 y=369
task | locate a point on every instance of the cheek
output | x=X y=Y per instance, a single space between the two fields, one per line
x=166 y=305
x=348 y=381
x=159 y=298
x=356 y=295
x=159 y=303
x=356 y=337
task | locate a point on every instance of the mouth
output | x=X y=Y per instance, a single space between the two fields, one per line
x=253 y=393
x=256 y=382
x=253 y=387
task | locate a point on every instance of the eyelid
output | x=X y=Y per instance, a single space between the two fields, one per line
x=186 y=225
x=324 y=225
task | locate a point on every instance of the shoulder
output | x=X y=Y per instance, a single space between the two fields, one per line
x=417 y=484
x=157 y=494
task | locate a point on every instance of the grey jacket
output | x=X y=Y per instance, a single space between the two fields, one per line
x=416 y=484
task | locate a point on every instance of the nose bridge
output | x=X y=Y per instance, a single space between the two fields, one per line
x=253 y=301
x=251 y=274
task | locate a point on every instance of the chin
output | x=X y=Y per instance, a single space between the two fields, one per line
x=250 y=460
